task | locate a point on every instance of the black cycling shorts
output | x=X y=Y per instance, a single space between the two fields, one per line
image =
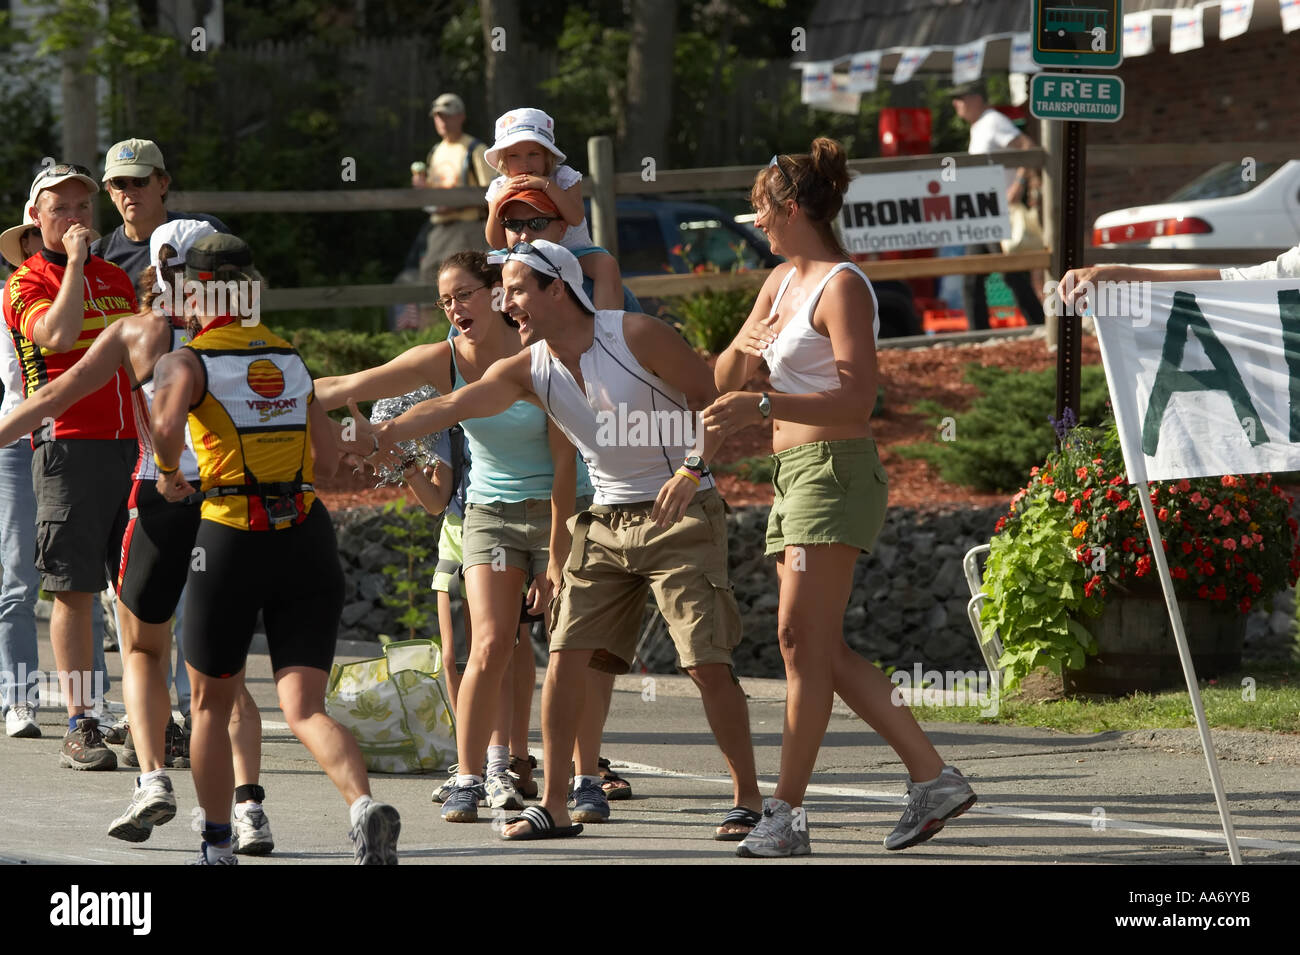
x=156 y=552
x=292 y=576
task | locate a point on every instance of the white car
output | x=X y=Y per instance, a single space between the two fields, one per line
x=1219 y=209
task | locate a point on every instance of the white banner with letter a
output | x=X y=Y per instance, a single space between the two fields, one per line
x=1204 y=377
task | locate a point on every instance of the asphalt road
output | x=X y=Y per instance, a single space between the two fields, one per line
x=1044 y=797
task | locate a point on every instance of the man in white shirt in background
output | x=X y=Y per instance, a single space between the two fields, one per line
x=990 y=131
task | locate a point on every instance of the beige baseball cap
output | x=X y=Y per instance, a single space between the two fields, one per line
x=133 y=157
x=448 y=103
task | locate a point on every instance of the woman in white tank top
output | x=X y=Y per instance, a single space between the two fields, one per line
x=815 y=322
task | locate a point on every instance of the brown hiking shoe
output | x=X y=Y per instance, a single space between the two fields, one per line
x=83 y=748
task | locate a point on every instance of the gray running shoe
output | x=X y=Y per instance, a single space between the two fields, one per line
x=152 y=804
x=209 y=856
x=461 y=804
x=782 y=832
x=442 y=792
x=250 y=834
x=501 y=792
x=83 y=748
x=374 y=839
x=929 y=806
x=588 y=803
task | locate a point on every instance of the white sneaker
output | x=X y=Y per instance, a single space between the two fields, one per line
x=209 y=855
x=929 y=806
x=780 y=833
x=251 y=832
x=20 y=722
x=152 y=804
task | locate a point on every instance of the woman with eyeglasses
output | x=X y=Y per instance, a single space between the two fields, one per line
x=522 y=487
x=815 y=323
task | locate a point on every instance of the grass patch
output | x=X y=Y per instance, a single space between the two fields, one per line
x=1275 y=708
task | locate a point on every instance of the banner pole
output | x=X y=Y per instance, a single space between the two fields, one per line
x=1189 y=672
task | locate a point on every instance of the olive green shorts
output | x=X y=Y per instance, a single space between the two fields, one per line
x=516 y=534
x=619 y=557
x=450 y=552
x=827 y=492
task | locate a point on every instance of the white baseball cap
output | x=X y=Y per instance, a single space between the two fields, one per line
x=51 y=176
x=550 y=259
x=520 y=125
x=180 y=234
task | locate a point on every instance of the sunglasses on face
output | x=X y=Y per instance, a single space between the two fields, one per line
x=460 y=298
x=536 y=224
x=122 y=183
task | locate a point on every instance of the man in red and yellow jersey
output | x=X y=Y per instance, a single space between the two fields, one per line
x=55 y=305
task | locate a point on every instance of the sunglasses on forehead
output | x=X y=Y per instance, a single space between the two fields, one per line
x=527 y=248
x=536 y=224
x=63 y=169
x=776 y=161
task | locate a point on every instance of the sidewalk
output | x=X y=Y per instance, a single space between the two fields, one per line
x=1044 y=797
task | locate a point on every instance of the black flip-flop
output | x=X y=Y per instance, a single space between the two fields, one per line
x=741 y=816
x=542 y=826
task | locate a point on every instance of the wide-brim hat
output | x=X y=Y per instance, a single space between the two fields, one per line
x=11 y=246
x=523 y=125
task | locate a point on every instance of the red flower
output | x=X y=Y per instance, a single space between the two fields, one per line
x=1179 y=573
x=1117 y=479
x=1143 y=565
x=1244 y=606
x=1187 y=547
x=997 y=528
x=1202 y=591
x=1047 y=479
x=1230 y=544
x=1081 y=474
x=1184 y=485
x=1087 y=493
x=1220 y=593
x=1090 y=586
x=1122 y=505
x=1033 y=471
x=1060 y=495
x=1228 y=480
x=1163 y=514
x=1078 y=505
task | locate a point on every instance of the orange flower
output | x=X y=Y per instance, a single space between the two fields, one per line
x=1080 y=529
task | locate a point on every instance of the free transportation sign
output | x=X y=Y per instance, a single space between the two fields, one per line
x=1079 y=33
x=1087 y=98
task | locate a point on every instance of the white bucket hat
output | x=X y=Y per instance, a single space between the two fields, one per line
x=520 y=125
x=551 y=259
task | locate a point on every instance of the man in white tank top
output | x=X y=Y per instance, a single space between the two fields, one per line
x=625 y=389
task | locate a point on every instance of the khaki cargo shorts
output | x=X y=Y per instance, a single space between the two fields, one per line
x=618 y=554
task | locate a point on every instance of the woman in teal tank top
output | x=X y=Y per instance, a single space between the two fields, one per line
x=522 y=487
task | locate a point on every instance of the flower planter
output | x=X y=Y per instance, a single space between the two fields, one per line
x=1136 y=648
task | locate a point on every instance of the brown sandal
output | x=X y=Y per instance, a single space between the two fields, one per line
x=614 y=785
x=526 y=789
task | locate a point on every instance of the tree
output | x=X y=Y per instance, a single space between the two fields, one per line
x=649 y=84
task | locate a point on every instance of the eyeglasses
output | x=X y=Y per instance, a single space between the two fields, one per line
x=526 y=248
x=776 y=161
x=122 y=183
x=63 y=169
x=536 y=224
x=460 y=298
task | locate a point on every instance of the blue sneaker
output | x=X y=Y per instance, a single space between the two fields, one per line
x=588 y=803
x=461 y=804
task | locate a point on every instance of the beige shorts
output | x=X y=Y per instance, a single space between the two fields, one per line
x=618 y=554
x=509 y=534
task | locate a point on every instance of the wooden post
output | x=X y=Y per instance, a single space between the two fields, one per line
x=604 y=218
x=80 y=107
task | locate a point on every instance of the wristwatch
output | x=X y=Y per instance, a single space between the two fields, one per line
x=696 y=463
x=765 y=406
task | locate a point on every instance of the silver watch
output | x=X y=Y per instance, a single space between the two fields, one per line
x=765 y=406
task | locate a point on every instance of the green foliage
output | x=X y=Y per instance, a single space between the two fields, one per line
x=413 y=532
x=1035 y=590
x=756 y=470
x=1005 y=432
x=712 y=319
x=330 y=353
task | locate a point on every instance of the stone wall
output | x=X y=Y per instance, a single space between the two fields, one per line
x=908 y=603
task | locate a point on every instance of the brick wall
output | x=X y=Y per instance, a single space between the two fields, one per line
x=1244 y=89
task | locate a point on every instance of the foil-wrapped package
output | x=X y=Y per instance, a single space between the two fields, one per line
x=418 y=450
